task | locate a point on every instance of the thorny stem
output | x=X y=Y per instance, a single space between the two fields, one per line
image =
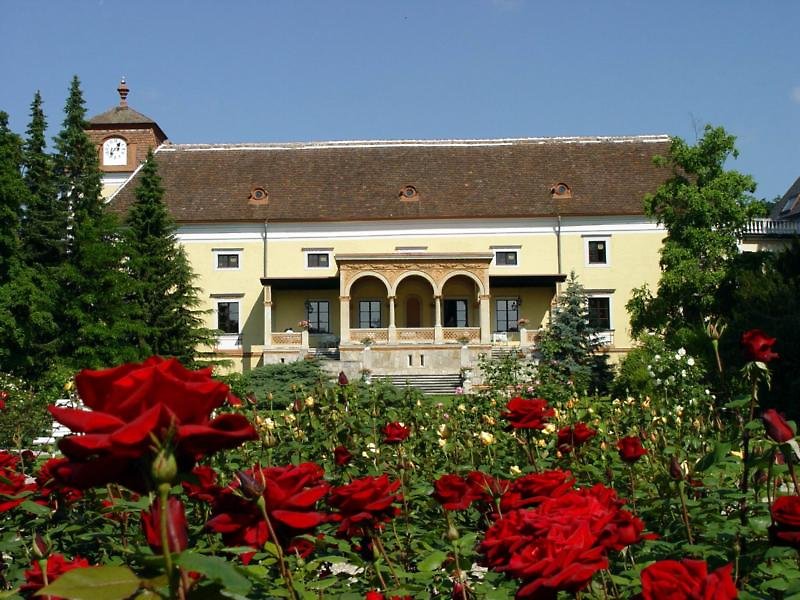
x=376 y=541
x=285 y=572
x=685 y=512
x=459 y=573
x=745 y=484
x=633 y=488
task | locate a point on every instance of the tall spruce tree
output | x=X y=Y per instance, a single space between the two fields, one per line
x=164 y=299
x=44 y=225
x=570 y=343
x=92 y=286
x=18 y=293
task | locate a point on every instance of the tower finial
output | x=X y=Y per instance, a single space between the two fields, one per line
x=123 y=93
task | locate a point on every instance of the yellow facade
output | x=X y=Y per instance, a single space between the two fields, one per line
x=631 y=259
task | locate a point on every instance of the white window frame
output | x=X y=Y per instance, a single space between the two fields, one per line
x=308 y=314
x=514 y=249
x=228 y=340
x=463 y=299
x=497 y=321
x=308 y=251
x=380 y=313
x=217 y=252
x=587 y=239
x=605 y=336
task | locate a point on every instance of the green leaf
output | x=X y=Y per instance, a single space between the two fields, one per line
x=216 y=569
x=36 y=509
x=719 y=452
x=93 y=583
x=433 y=561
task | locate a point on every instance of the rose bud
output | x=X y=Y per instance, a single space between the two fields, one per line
x=177 y=531
x=343 y=378
x=777 y=427
x=251 y=488
x=41 y=549
x=342 y=456
x=165 y=467
x=757 y=346
x=675 y=470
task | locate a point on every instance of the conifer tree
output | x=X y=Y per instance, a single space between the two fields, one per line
x=92 y=285
x=13 y=196
x=164 y=299
x=44 y=226
x=569 y=344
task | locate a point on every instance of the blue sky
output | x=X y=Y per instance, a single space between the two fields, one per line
x=336 y=69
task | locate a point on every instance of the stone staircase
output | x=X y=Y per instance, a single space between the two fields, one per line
x=427 y=384
x=325 y=353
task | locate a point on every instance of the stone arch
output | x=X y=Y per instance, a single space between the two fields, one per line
x=362 y=275
x=406 y=274
x=468 y=274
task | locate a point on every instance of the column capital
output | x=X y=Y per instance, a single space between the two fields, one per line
x=344 y=298
x=483 y=297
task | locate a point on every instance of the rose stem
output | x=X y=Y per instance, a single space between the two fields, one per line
x=685 y=512
x=633 y=488
x=379 y=545
x=166 y=550
x=43 y=567
x=745 y=484
x=454 y=541
x=285 y=573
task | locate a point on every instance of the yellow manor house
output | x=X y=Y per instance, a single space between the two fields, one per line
x=407 y=257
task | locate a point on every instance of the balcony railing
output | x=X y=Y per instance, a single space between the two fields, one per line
x=770 y=227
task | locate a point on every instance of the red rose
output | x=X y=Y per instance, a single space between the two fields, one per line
x=757 y=346
x=630 y=449
x=394 y=433
x=343 y=378
x=342 y=456
x=364 y=504
x=50 y=488
x=14 y=489
x=8 y=460
x=290 y=495
x=785 y=528
x=528 y=414
x=57 y=565
x=177 y=531
x=3 y=398
x=777 y=428
x=454 y=492
x=485 y=487
x=572 y=437
x=374 y=595
x=133 y=403
x=205 y=489
x=687 y=580
x=535 y=488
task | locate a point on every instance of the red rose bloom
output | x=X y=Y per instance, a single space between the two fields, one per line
x=57 y=565
x=630 y=449
x=205 y=489
x=374 y=595
x=687 y=580
x=394 y=433
x=130 y=404
x=364 y=504
x=757 y=346
x=290 y=495
x=342 y=456
x=50 y=489
x=785 y=528
x=8 y=460
x=454 y=492
x=177 y=530
x=14 y=489
x=534 y=488
x=527 y=414
x=3 y=398
x=777 y=427
x=572 y=437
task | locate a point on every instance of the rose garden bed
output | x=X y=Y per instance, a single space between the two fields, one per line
x=171 y=486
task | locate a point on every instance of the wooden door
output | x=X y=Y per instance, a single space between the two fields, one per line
x=413 y=309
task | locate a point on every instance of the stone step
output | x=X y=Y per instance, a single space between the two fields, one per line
x=425 y=383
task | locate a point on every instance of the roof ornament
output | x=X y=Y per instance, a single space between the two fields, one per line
x=123 y=93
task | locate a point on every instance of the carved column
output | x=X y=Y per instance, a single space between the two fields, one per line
x=486 y=318
x=392 y=326
x=267 y=316
x=344 y=319
x=438 y=334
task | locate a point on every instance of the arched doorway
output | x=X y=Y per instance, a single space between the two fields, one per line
x=413 y=312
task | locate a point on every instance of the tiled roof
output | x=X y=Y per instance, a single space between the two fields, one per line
x=788 y=207
x=362 y=180
x=121 y=115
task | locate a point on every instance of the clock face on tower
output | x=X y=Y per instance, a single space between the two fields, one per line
x=115 y=152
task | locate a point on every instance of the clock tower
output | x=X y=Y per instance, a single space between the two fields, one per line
x=122 y=137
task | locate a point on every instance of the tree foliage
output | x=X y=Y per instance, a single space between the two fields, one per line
x=703 y=206
x=164 y=299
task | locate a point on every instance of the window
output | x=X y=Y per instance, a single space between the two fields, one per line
x=600 y=312
x=596 y=251
x=228 y=316
x=318 y=260
x=369 y=314
x=506 y=258
x=227 y=259
x=455 y=313
x=318 y=316
x=506 y=314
